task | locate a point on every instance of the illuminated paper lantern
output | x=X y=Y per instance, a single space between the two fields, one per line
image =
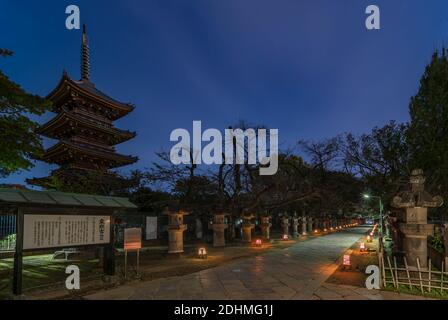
x=362 y=246
x=202 y=253
x=346 y=260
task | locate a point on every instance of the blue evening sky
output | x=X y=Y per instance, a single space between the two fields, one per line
x=307 y=67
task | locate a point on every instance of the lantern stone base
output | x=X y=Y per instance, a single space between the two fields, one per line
x=247 y=232
x=219 y=239
x=265 y=227
x=310 y=227
x=415 y=243
x=176 y=239
x=265 y=231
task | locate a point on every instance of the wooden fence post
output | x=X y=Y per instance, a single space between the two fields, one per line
x=419 y=274
x=391 y=271
x=383 y=270
x=407 y=272
x=441 y=280
x=396 y=273
x=429 y=276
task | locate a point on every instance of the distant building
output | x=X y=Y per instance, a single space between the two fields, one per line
x=84 y=127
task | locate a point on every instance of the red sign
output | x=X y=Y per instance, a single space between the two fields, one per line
x=132 y=238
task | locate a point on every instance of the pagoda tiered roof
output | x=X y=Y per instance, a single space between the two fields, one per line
x=84 y=92
x=65 y=152
x=68 y=123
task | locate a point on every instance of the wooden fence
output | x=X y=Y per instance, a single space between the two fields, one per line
x=423 y=279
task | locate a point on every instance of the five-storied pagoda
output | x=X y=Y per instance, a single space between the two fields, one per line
x=84 y=127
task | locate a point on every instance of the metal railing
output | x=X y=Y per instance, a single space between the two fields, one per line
x=7 y=232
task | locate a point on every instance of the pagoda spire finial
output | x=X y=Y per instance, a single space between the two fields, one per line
x=85 y=56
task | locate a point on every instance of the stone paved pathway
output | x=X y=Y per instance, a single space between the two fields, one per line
x=297 y=272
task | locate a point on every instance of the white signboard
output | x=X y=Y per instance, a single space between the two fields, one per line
x=132 y=238
x=51 y=231
x=151 y=228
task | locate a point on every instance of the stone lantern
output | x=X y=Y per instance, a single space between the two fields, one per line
x=247 y=227
x=265 y=226
x=304 y=233
x=295 y=226
x=333 y=223
x=219 y=226
x=316 y=224
x=176 y=228
x=415 y=226
x=310 y=225
x=285 y=224
x=324 y=224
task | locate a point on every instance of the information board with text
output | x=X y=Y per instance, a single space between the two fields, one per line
x=52 y=231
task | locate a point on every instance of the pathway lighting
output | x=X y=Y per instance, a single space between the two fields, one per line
x=202 y=253
x=362 y=247
x=346 y=260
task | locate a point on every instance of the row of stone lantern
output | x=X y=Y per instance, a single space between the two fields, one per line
x=176 y=228
x=312 y=224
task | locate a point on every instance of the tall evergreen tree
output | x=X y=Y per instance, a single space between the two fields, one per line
x=428 y=130
x=18 y=142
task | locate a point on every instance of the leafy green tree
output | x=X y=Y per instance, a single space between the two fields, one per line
x=18 y=142
x=428 y=129
x=380 y=157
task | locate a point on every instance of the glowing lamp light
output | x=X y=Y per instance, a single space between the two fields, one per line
x=285 y=237
x=202 y=253
x=258 y=242
x=362 y=246
x=346 y=260
x=331 y=228
x=325 y=230
x=315 y=231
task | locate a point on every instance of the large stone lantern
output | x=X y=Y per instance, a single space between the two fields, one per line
x=310 y=225
x=176 y=228
x=295 y=226
x=304 y=233
x=415 y=227
x=219 y=226
x=285 y=225
x=247 y=227
x=265 y=226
